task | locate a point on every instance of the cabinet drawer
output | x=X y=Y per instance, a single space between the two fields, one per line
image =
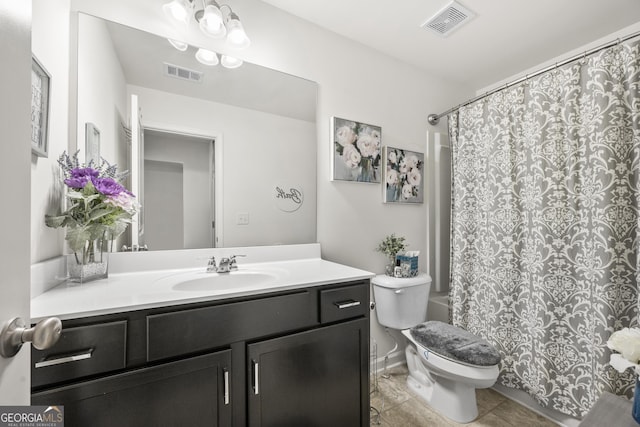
x=80 y=352
x=189 y=331
x=344 y=303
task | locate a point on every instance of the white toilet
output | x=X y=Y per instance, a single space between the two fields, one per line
x=446 y=363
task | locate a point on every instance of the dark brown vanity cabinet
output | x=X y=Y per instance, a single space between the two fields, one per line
x=295 y=358
x=313 y=378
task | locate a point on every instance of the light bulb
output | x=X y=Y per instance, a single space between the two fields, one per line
x=181 y=46
x=211 y=22
x=206 y=57
x=180 y=10
x=230 y=61
x=235 y=32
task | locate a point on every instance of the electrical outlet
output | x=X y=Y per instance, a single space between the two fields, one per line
x=242 y=218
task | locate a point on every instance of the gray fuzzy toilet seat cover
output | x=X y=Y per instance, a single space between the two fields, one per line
x=455 y=343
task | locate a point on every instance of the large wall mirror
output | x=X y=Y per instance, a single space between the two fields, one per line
x=227 y=157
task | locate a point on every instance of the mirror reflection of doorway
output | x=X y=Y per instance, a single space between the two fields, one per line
x=178 y=191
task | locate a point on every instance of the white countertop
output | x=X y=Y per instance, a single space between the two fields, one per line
x=134 y=290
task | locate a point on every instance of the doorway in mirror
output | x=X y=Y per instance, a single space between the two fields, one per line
x=178 y=172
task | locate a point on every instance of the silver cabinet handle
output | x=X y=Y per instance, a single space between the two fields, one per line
x=226 y=386
x=256 y=371
x=66 y=359
x=15 y=333
x=346 y=304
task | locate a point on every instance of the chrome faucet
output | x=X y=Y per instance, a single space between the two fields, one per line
x=226 y=265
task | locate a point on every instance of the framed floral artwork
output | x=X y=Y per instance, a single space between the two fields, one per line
x=404 y=176
x=356 y=151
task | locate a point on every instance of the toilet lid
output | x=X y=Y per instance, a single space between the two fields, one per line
x=455 y=343
x=400 y=282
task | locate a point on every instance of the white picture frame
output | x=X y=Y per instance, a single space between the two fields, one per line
x=40 y=88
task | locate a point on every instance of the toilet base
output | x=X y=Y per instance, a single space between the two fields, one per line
x=453 y=399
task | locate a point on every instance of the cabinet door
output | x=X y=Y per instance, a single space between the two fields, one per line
x=314 y=378
x=190 y=392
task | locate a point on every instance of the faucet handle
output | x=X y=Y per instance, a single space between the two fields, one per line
x=232 y=261
x=211 y=264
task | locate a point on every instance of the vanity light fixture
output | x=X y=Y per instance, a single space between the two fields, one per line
x=206 y=57
x=214 y=20
x=230 y=62
x=181 y=46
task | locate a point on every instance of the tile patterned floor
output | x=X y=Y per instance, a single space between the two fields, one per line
x=398 y=407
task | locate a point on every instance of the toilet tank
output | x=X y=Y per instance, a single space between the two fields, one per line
x=401 y=303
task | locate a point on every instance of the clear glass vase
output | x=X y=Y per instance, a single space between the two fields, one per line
x=91 y=263
x=389 y=269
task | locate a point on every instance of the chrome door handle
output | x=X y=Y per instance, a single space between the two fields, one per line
x=226 y=386
x=256 y=374
x=15 y=333
x=346 y=304
x=66 y=359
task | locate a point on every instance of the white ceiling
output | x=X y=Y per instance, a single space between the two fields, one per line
x=505 y=38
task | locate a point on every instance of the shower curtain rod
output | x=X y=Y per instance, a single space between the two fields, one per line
x=434 y=119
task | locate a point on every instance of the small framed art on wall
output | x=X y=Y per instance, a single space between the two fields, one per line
x=356 y=151
x=404 y=176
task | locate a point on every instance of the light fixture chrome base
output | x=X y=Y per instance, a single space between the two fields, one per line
x=433 y=119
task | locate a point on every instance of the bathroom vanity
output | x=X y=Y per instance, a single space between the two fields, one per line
x=292 y=353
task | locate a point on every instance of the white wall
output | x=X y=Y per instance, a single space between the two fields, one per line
x=261 y=152
x=50 y=44
x=552 y=61
x=164 y=201
x=102 y=90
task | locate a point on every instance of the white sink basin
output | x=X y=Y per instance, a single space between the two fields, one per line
x=244 y=279
x=203 y=281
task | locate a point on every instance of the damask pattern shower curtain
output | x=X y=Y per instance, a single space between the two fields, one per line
x=545 y=225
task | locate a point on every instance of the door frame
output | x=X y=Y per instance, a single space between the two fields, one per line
x=215 y=170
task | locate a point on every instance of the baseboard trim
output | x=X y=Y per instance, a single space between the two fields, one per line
x=529 y=402
x=394 y=359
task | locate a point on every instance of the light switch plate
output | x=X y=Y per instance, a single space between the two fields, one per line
x=242 y=218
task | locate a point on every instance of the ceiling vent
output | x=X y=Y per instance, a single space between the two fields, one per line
x=448 y=19
x=182 y=73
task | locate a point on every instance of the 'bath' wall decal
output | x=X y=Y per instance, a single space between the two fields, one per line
x=289 y=200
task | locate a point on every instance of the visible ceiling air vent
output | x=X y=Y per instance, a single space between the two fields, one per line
x=448 y=19
x=182 y=73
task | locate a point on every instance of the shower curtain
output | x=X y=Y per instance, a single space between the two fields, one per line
x=545 y=225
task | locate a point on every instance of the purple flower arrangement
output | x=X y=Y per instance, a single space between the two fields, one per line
x=99 y=207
